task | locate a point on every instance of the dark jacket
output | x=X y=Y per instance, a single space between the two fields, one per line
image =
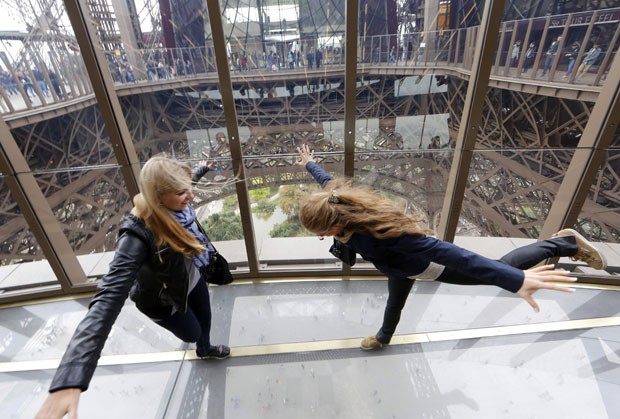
x=409 y=254
x=157 y=279
x=157 y=285
x=592 y=55
x=573 y=51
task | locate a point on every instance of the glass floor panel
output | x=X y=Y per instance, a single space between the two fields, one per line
x=460 y=352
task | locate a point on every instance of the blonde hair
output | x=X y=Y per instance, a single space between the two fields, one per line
x=158 y=176
x=357 y=209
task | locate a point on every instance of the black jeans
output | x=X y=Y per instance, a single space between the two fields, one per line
x=523 y=258
x=195 y=324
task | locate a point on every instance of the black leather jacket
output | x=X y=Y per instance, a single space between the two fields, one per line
x=157 y=279
x=162 y=279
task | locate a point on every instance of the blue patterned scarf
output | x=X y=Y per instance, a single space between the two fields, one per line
x=188 y=219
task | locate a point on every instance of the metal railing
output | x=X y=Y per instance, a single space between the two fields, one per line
x=574 y=49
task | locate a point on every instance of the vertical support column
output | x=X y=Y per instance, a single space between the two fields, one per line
x=541 y=48
x=125 y=12
x=560 y=53
x=350 y=93
x=103 y=86
x=431 y=17
x=498 y=56
x=524 y=46
x=584 y=44
x=350 y=89
x=470 y=120
x=37 y=212
x=589 y=155
x=228 y=103
x=513 y=40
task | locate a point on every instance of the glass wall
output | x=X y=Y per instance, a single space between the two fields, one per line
x=160 y=79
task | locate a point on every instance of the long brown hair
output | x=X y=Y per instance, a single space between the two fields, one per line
x=158 y=176
x=357 y=209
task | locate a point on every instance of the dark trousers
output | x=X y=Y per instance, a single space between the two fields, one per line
x=548 y=62
x=523 y=258
x=195 y=324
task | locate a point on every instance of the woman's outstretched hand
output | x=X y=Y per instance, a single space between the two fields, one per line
x=59 y=403
x=305 y=155
x=203 y=163
x=540 y=278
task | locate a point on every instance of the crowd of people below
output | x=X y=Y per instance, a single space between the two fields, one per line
x=25 y=80
x=575 y=61
x=158 y=67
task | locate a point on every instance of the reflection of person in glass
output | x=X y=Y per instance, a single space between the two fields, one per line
x=588 y=60
x=551 y=53
x=365 y=223
x=530 y=56
x=161 y=260
x=514 y=55
x=571 y=55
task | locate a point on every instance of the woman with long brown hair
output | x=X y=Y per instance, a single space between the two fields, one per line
x=362 y=222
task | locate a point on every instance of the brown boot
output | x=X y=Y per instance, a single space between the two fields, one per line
x=371 y=343
x=586 y=253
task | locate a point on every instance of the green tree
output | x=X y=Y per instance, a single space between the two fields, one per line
x=291 y=227
x=230 y=203
x=262 y=194
x=264 y=209
x=290 y=198
x=223 y=226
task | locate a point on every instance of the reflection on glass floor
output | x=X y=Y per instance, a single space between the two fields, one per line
x=461 y=352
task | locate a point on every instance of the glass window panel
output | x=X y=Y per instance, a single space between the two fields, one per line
x=416 y=180
x=21 y=254
x=88 y=204
x=165 y=76
x=75 y=138
x=217 y=208
x=512 y=119
x=519 y=49
x=509 y=192
x=404 y=123
x=18 y=243
x=41 y=60
x=276 y=190
x=599 y=219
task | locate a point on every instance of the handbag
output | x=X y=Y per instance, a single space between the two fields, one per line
x=217 y=271
x=343 y=252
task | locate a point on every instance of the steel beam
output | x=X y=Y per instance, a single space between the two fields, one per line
x=590 y=154
x=350 y=86
x=470 y=120
x=228 y=104
x=103 y=86
x=37 y=212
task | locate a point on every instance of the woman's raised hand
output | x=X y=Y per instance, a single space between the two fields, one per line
x=543 y=277
x=305 y=155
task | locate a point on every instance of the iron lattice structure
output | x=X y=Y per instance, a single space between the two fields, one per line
x=525 y=143
x=524 y=147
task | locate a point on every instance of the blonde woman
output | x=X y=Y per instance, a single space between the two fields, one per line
x=161 y=260
x=364 y=223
